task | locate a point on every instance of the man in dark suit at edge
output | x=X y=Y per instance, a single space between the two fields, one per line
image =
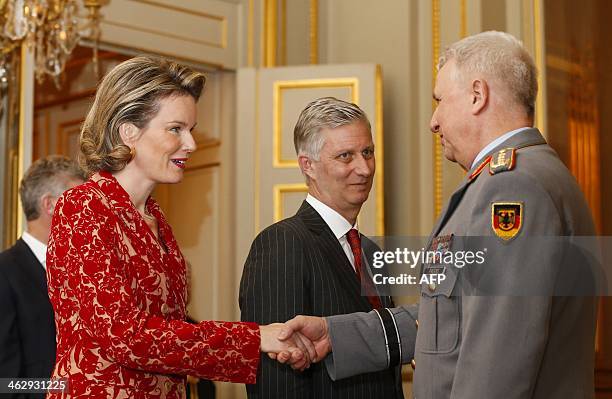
x=27 y=327
x=313 y=263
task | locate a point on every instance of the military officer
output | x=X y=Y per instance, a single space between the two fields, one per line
x=499 y=341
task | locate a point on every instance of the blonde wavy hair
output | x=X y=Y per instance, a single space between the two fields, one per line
x=130 y=93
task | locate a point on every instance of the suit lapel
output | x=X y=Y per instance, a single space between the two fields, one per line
x=33 y=270
x=450 y=208
x=332 y=251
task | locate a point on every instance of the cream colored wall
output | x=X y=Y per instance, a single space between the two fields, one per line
x=392 y=34
x=381 y=32
x=297 y=43
x=203 y=31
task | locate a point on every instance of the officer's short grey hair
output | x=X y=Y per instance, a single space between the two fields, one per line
x=323 y=113
x=46 y=176
x=500 y=56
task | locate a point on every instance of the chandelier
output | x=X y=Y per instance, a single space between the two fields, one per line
x=51 y=28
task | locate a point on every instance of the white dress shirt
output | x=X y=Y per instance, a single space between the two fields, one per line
x=38 y=248
x=337 y=223
x=495 y=143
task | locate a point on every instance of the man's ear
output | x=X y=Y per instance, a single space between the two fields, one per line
x=47 y=204
x=480 y=95
x=305 y=164
x=128 y=133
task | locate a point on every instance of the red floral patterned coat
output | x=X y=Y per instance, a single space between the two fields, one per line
x=119 y=301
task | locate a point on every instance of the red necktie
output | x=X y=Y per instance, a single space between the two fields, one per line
x=355 y=242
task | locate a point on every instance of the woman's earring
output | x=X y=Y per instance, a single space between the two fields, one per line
x=132 y=154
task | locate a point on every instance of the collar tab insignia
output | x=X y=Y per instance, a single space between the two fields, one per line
x=502 y=161
x=480 y=168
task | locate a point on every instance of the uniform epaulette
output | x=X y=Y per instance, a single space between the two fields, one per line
x=502 y=161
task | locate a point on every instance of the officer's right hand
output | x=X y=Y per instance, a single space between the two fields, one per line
x=309 y=327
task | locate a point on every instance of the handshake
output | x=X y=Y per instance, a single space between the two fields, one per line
x=299 y=342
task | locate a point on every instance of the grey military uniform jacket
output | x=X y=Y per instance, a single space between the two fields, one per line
x=498 y=341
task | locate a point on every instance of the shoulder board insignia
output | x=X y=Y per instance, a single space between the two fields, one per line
x=502 y=160
x=479 y=168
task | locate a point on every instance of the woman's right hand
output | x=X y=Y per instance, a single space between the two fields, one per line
x=300 y=348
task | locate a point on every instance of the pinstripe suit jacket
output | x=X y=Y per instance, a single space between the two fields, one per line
x=297 y=266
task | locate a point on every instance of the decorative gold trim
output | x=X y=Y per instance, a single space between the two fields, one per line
x=136 y=50
x=189 y=11
x=262 y=33
x=251 y=34
x=257 y=168
x=270 y=33
x=437 y=150
x=283 y=32
x=379 y=154
x=15 y=217
x=221 y=45
x=193 y=390
x=314 y=32
x=21 y=146
x=539 y=60
x=279 y=190
x=10 y=164
x=36 y=138
x=277 y=103
x=463 y=6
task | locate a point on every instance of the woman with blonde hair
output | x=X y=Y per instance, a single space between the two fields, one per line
x=116 y=274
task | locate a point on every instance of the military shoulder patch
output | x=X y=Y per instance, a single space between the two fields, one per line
x=506 y=219
x=502 y=160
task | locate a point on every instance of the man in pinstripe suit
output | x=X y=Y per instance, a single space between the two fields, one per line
x=312 y=263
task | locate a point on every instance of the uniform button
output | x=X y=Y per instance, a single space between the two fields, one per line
x=413 y=364
x=167 y=386
x=164 y=308
x=431 y=286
